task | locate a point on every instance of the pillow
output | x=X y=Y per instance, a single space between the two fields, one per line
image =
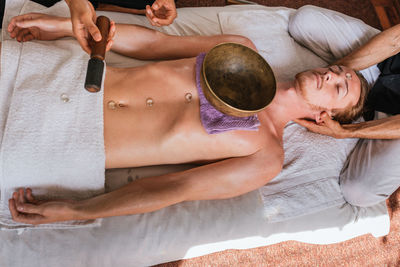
x=338 y=36
x=268 y=29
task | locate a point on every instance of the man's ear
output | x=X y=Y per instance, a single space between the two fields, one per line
x=318 y=116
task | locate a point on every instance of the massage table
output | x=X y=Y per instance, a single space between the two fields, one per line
x=303 y=203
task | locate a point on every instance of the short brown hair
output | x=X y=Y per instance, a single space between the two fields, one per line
x=352 y=113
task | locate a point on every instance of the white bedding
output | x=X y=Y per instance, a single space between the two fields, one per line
x=193 y=228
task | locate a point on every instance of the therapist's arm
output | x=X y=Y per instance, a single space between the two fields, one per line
x=387 y=128
x=379 y=48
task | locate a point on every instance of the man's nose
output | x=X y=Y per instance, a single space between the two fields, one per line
x=330 y=76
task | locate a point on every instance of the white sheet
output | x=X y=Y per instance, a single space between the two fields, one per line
x=53 y=136
x=187 y=229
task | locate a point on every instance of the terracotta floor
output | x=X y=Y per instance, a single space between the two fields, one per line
x=361 y=251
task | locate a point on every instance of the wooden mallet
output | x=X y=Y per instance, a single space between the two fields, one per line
x=94 y=74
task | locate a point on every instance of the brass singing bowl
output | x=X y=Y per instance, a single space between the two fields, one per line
x=236 y=80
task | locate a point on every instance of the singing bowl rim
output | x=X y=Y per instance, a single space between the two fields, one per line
x=227 y=108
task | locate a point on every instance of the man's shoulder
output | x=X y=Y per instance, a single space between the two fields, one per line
x=262 y=141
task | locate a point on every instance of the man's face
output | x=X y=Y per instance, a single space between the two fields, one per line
x=331 y=88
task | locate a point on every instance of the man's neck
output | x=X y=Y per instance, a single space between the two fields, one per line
x=287 y=105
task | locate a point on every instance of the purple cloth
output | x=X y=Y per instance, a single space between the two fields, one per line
x=215 y=121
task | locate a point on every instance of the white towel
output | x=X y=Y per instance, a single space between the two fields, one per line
x=52 y=128
x=309 y=180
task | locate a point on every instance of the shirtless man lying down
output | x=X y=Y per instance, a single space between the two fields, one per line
x=152 y=116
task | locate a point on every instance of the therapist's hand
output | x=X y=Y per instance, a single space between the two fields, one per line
x=326 y=127
x=161 y=13
x=25 y=208
x=83 y=19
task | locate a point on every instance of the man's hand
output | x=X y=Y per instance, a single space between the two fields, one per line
x=25 y=208
x=161 y=13
x=83 y=19
x=327 y=127
x=36 y=26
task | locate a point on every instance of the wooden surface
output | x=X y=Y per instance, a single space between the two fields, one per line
x=387 y=12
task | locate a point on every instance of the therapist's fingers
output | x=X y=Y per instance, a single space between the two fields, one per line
x=328 y=120
x=82 y=40
x=163 y=21
x=306 y=123
x=111 y=35
x=151 y=16
x=109 y=45
x=94 y=31
x=111 y=32
x=83 y=28
x=165 y=12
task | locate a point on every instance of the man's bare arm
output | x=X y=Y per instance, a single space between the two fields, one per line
x=129 y=40
x=147 y=44
x=379 y=48
x=224 y=179
x=387 y=128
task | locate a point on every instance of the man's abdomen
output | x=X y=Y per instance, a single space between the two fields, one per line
x=145 y=109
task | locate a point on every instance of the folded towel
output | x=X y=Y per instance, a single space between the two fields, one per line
x=215 y=121
x=309 y=180
x=52 y=128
